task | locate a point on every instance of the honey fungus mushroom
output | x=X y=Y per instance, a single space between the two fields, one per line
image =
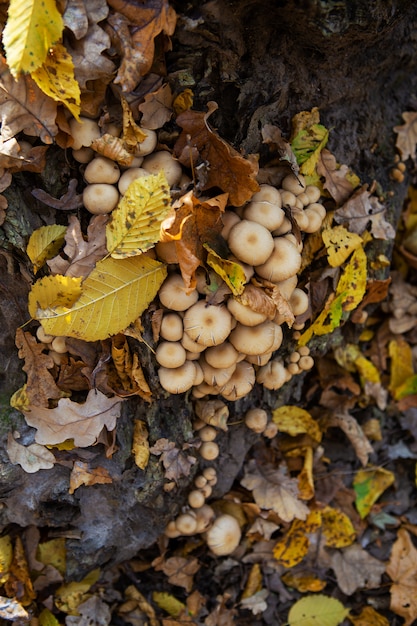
x=206 y=324
x=250 y=242
x=285 y=261
x=177 y=379
x=173 y=294
x=224 y=535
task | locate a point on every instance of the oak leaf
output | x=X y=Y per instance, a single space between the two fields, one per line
x=227 y=169
x=402 y=570
x=407 y=136
x=272 y=136
x=23 y=107
x=180 y=570
x=360 y=210
x=356 y=569
x=274 y=489
x=175 y=461
x=336 y=183
x=40 y=386
x=83 y=474
x=31 y=458
x=156 y=108
x=91 y=46
x=72 y=420
x=346 y=422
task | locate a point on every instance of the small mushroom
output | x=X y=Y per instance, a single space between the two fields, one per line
x=148 y=145
x=163 y=160
x=207 y=433
x=295 y=184
x=250 y=242
x=131 y=174
x=173 y=294
x=313 y=193
x=244 y=314
x=298 y=301
x=102 y=170
x=205 y=515
x=314 y=221
x=241 y=383
x=229 y=219
x=100 y=198
x=186 y=524
x=224 y=535
x=171 y=327
x=285 y=261
x=208 y=325
x=256 y=419
x=83 y=132
x=196 y=499
x=42 y=336
x=216 y=376
x=254 y=340
x=178 y=379
x=222 y=355
x=170 y=354
x=209 y=450
x=59 y=345
x=273 y=375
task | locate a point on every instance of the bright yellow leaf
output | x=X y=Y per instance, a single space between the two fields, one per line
x=337 y=528
x=254 y=582
x=70 y=595
x=32 y=27
x=293 y=547
x=134 y=226
x=114 y=294
x=368 y=617
x=317 y=610
x=51 y=292
x=6 y=556
x=55 y=77
x=167 y=602
x=340 y=243
x=44 y=243
x=232 y=273
x=401 y=364
x=296 y=421
x=303 y=581
x=20 y=400
x=183 y=101
x=140 y=446
x=53 y=552
x=369 y=484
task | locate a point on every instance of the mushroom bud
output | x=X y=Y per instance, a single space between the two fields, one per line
x=196 y=499
x=224 y=536
x=148 y=145
x=173 y=294
x=100 y=198
x=171 y=327
x=256 y=419
x=102 y=170
x=186 y=524
x=83 y=132
x=163 y=160
x=295 y=184
x=209 y=450
x=177 y=379
x=170 y=354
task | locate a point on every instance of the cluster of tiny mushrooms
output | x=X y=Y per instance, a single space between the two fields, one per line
x=213 y=349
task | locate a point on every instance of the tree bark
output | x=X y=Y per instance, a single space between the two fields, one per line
x=262 y=62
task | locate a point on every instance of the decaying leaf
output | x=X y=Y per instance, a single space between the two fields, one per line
x=69 y=596
x=271 y=135
x=19 y=584
x=83 y=474
x=157 y=107
x=293 y=547
x=44 y=244
x=231 y=272
x=274 y=489
x=295 y=421
x=31 y=458
x=346 y=422
x=140 y=444
x=360 y=210
x=51 y=292
x=402 y=571
x=356 y=569
x=72 y=420
x=368 y=617
x=335 y=177
x=228 y=170
x=180 y=570
x=175 y=461
x=69 y=201
x=340 y=243
x=12 y=610
x=134 y=226
x=114 y=294
x=407 y=136
x=369 y=484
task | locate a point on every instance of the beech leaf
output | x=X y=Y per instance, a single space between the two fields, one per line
x=31 y=458
x=72 y=420
x=356 y=569
x=31 y=29
x=317 y=610
x=113 y=296
x=44 y=244
x=231 y=272
x=50 y=292
x=134 y=226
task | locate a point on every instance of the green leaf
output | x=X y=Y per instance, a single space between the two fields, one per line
x=32 y=27
x=307 y=145
x=317 y=610
x=113 y=296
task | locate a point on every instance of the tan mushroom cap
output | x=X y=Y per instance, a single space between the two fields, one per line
x=256 y=419
x=244 y=314
x=254 y=340
x=206 y=324
x=299 y=301
x=223 y=355
x=224 y=535
x=250 y=242
x=102 y=170
x=173 y=294
x=171 y=327
x=241 y=382
x=273 y=375
x=170 y=354
x=216 y=376
x=178 y=379
x=285 y=261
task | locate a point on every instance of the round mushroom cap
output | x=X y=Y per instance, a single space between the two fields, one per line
x=207 y=324
x=216 y=376
x=171 y=327
x=163 y=160
x=173 y=294
x=244 y=314
x=295 y=184
x=178 y=379
x=102 y=170
x=128 y=176
x=299 y=301
x=100 y=198
x=83 y=131
x=170 y=354
x=273 y=375
x=250 y=242
x=267 y=193
x=241 y=382
x=256 y=419
x=223 y=355
x=148 y=145
x=285 y=261
x=253 y=340
x=224 y=535
x=268 y=215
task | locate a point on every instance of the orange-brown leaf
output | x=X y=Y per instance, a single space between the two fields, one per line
x=402 y=571
x=339 y=187
x=227 y=169
x=83 y=474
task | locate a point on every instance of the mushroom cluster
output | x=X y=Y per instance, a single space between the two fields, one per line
x=223 y=349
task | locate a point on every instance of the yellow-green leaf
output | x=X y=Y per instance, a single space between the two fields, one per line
x=32 y=27
x=53 y=552
x=44 y=243
x=296 y=421
x=307 y=145
x=402 y=370
x=169 y=603
x=134 y=225
x=47 y=618
x=70 y=595
x=54 y=291
x=368 y=485
x=232 y=273
x=114 y=294
x=6 y=557
x=340 y=243
x=317 y=610
x=55 y=77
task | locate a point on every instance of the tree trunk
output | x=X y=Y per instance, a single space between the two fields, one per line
x=262 y=62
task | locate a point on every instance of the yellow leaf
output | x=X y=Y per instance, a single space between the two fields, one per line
x=305 y=477
x=113 y=296
x=296 y=421
x=44 y=243
x=339 y=244
x=46 y=618
x=53 y=552
x=134 y=225
x=303 y=581
x=368 y=485
x=132 y=133
x=32 y=28
x=401 y=364
x=6 y=556
x=368 y=617
x=254 y=582
x=69 y=596
x=232 y=273
x=140 y=447
x=54 y=291
x=317 y=610
x=183 y=101
x=337 y=528
x=55 y=77
x=20 y=400
x=168 y=603
x=293 y=547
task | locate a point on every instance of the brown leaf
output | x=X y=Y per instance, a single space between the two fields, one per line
x=83 y=474
x=272 y=136
x=157 y=109
x=356 y=569
x=89 y=47
x=40 y=386
x=31 y=458
x=24 y=107
x=71 y=377
x=221 y=615
x=402 y=571
x=19 y=584
x=346 y=422
x=193 y=224
x=361 y=209
x=335 y=177
x=180 y=570
x=72 y=420
x=152 y=18
x=258 y=300
x=175 y=462
x=69 y=201
x=407 y=136
x=82 y=255
x=227 y=169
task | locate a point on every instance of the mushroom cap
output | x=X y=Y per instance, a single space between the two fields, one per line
x=190 y=345
x=83 y=131
x=224 y=535
x=244 y=314
x=254 y=340
x=273 y=375
x=250 y=242
x=148 y=145
x=100 y=198
x=268 y=215
x=173 y=294
x=171 y=327
x=216 y=376
x=223 y=355
x=170 y=354
x=196 y=499
x=295 y=184
x=205 y=515
x=186 y=523
x=241 y=382
x=206 y=324
x=209 y=450
x=178 y=379
x=313 y=193
x=299 y=301
x=229 y=219
x=314 y=220
x=131 y=174
x=256 y=419
x=285 y=261
x=267 y=193
x=102 y=170
x=163 y=160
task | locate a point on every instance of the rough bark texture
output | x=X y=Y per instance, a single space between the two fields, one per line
x=262 y=62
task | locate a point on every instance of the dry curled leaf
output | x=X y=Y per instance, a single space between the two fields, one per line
x=156 y=108
x=360 y=210
x=336 y=183
x=402 y=571
x=83 y=474
x=175 y=461
x=180 y=570
x=407 y=136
